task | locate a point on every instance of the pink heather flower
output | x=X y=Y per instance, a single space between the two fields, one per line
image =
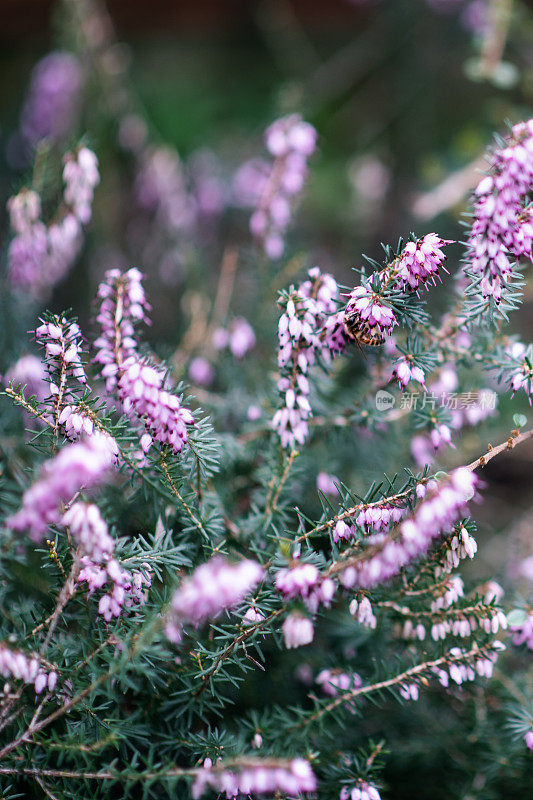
x=127 y=589
x=201 y=372
x=141 y=391
x=52 y=104
x=89 y=531
x=409 y=691
x=300 y=345
x=362 y=791
x=365 y=308
x=81 y=176
x=30 y=373
x=420 y=261
x=528 y=738
x=440 y=509
x=122 y=305
x=361 y=610
x=298 y=581
x=241 y=337
x=334 y=681
x=440 y=436
x=212 y=588
x=252 y=616
x=290 y=141
x=288 y=778
x=405 y=372
x=500 y=232
x=62 y=344
x=297 y=630
x=80 y=465
x=326 y=483
x=27 y=668
x=422 y=450
x=254 y=412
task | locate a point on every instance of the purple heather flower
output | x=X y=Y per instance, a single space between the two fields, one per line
x=83 y=464
x=297 y=630
x=528 y=738
x=252 y=616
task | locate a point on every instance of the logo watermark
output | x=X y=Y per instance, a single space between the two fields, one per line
x=484 y=400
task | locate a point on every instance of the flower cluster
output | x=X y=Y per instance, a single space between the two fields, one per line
x=437 y=513
x=89 y=531
x=16 y=664
x=212 y=588
x=141 y=391
x=82 y=464
x=80 y=175
x=461 y=545
x=128 y=589
x=367 y=318
x=289 y=777
x=501 y=232
x=298 y=581
x=122 y=305
x=40 y=255
x=290 y=141
x=62 y=344
x=363 y=791
x=420 y=262
x=462 y=625
x=300 y=346
x=361 y=610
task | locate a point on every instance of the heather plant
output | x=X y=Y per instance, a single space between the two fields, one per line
x=240 y=564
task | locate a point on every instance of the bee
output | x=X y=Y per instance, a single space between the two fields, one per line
x=361 y=332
